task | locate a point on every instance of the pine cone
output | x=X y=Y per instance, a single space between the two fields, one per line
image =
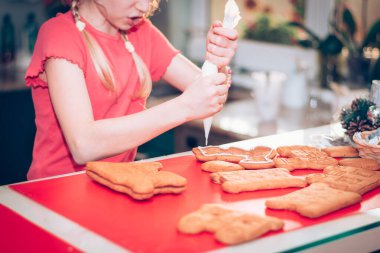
x=358 y=125
x=361 y=104
x=345 y=113
x=355 y=119
x=354 y=105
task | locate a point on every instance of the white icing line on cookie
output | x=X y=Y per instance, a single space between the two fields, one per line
x=266 y=157
x=202 y=149
x=246 y=158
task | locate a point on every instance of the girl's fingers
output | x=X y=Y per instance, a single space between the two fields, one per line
x=222 y=89
x=221 y=44
x=216 y=79
x=221 y=41
x=218 y=40
x=217 y=60
x=220 y=51
x=216 y=23
x=230 y=34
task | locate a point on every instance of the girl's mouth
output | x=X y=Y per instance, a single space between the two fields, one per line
x=134 y=20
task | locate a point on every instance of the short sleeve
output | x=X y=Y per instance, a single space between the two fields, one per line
x=57 y=38
x=162 y=52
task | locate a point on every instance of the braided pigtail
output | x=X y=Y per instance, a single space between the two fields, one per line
x=100 y=61
x=142 y=70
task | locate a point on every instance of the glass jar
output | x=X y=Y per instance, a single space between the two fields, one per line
x=374 y=95
x=8 y=46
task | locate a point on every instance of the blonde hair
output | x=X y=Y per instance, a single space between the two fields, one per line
x=101 y=63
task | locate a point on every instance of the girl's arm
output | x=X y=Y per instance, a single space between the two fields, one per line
x=181 y=72
x=221 y=46
x=90 y=139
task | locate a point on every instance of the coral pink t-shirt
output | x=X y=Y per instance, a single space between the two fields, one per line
x=59 y=38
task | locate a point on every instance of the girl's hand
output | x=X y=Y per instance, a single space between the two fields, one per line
x=205 y=97
x=221 y=44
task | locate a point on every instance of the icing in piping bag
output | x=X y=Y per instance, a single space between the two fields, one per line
x=231 y=19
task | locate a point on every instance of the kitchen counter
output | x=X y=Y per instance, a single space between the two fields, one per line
x=73 y=213
x=239 y=120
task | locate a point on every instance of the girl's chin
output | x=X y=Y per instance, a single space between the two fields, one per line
x=124 y=26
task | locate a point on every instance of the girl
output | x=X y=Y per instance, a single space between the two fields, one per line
x=91 y=73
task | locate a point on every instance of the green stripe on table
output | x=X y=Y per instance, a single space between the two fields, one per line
x=334 y=237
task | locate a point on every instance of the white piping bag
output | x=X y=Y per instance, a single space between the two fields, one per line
x=231 y=19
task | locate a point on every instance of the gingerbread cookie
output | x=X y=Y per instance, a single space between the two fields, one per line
x=316 y=163
x=341 y=151
x=262 y=159
x=257 y=158
x=365 y=163
x=218 y=166
x=319 y=163
x=217 y=153
x=289 y=163
x=347 y=178
x=315 y=200
x=140 y=180
x=253 y=180
x=228 y=226
x=231 y=154
x=300 y=151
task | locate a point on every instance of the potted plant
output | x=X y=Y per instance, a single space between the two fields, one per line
x=265 y=30
x=271 y=43
x=358 y=65
x=343 y=35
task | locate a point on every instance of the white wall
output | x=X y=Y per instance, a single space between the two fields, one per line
x=317 y=15
x=179 y=24
x=199 y=20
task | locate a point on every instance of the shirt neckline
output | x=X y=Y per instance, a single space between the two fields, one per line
x=95 y=31
x=92 y=29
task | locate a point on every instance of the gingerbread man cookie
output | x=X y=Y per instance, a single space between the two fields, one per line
x=228 y=226
x=259 y=157
x=140 y=180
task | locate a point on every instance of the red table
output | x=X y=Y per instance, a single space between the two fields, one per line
x=19 y=235
x=150 y=226
x=116 y=221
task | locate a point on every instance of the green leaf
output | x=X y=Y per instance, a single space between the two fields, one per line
x=305 y=43
x=308 y=31
x=349 y=43
x=349 y=21
x=265 y=30
x=372 y=34
x=331 y=45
